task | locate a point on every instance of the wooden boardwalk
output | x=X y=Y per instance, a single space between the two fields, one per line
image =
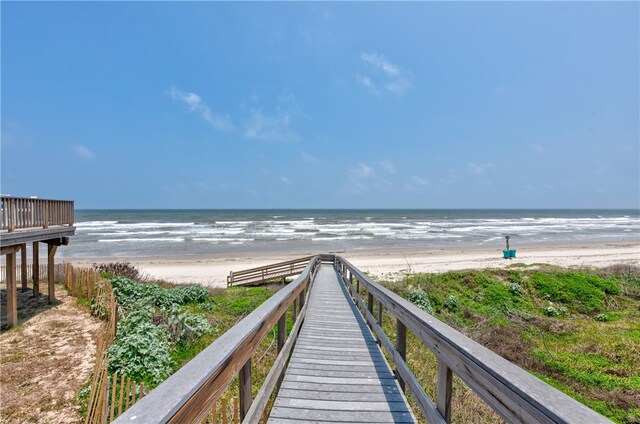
x=337 y=372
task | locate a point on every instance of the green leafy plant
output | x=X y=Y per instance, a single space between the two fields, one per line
x=420 y=298
x=141 y=349
x=451 y=303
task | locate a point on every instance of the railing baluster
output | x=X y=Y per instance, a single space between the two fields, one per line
x=401 y=346
x=245 y=387
x=12 y=215
x=444 y=390
x=282 y=329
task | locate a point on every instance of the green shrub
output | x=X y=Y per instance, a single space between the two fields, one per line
x=141 y=348
x=129 y=293
x=185 y=327
x=451 y=303
x=585 y=293
x=419 y=298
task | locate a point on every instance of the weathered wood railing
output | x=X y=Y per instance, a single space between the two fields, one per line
x=268 y=272
x=19 y=213
x=516 y=395
x=189 y=394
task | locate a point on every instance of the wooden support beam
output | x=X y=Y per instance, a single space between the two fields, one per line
x=7 y=250
x=12 y=295
x=35 y=272
x=245 y=389
x=295 y=310
x=282 y=331
x=51 y=271
x=401 y=346
x=23 y=266
x=444 y=390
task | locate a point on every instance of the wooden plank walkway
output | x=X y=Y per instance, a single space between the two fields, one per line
x=337 y=372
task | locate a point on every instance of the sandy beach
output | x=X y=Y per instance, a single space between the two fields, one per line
x=391 y=264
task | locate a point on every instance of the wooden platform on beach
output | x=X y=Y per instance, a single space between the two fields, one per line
x=337 y=371
x=31 y=221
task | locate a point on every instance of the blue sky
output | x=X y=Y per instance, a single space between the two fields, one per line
x=322 y=105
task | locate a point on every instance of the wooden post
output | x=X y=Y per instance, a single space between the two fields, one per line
x=301 y=302
x=401 y=346
x=23 y=266
x=35 y=272
x=245 y=388
x=444 y=390
x=380 y=311
x=223 y=407
x=51 y=271
x=12 y=295
x=10 y=204
x=295 y=309
x=46 y=215
x=282 y=331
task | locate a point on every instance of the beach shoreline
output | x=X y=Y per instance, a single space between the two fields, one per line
x=389 y=263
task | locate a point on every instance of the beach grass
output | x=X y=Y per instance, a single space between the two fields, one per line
x=578 y=330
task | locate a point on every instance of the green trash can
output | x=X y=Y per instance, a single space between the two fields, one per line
x=506 y=254
x=512 y=253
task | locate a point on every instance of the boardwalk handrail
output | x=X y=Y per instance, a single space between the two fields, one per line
x=20 y=213
x=268 y=272
x=511 y=391
x=190 y=392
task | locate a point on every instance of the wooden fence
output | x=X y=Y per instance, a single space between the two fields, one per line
x=82 y=282
x=110 y=394
x=59 y=271
x=19 y=212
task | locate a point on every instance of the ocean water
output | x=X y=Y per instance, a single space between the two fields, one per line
x=122 y=234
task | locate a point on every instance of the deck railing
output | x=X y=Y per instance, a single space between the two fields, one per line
x=268 y=272
x=189 y=394
x=512 y=392
x=20 y=213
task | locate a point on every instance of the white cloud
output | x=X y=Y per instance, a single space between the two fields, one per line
x=269 y=127
x=388 y=166
x=368 y=84
x=419 y=181
x=284 y=180
x=378 y=61
x=394 y=79
x=309 y=158
x=84 y=152
x=480 y=168
x=277 y=126
x=362 y=171
x=196 y=105
x=359 y=178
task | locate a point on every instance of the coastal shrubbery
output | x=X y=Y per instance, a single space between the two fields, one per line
x=163 y=326
x=154 y=320
x=577 y=330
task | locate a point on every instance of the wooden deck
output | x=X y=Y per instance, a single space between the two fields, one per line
x=337 y=372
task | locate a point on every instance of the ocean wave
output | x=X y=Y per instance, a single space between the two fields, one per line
x=178 y=239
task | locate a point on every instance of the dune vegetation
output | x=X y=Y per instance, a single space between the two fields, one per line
x=578 y=330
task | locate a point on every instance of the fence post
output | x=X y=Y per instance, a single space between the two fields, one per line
x=444 y=390
x=10 y=204
x=401 y=346
x=245 y=389
x=35 y=273
x=282 y=330
x=23 y=266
